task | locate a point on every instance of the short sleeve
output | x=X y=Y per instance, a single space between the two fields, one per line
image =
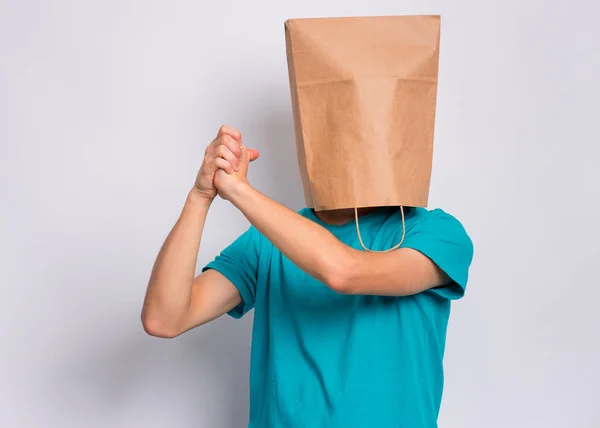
x=239 y=263
x=444 y=240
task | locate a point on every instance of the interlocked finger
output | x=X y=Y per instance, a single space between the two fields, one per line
x=226 y=154
x=224 y=165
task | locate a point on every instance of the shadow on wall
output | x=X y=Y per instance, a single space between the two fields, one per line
x=278 y=155
x=266 y=122
x=124 y=378
x=262 y=111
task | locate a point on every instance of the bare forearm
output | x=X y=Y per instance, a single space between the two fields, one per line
x=320 y=254
x=311 y=247
x=170 y=285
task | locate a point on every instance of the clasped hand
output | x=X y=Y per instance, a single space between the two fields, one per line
x=225 y=165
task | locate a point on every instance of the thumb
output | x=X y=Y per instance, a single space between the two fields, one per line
x=253 y=154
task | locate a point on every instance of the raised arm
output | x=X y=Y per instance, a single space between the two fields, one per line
x=319 y=253
x=176 y=301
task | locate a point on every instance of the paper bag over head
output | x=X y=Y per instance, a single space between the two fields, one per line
x=363 y=95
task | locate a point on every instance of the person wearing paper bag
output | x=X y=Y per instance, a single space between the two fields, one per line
x=351 y=295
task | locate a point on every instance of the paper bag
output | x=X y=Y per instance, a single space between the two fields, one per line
x=363 y=95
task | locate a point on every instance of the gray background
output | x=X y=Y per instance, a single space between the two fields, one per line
x=105 y=110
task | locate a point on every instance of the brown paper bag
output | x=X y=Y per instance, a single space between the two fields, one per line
x=363 y=96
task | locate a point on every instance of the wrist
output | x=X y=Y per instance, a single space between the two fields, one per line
x=197 y=198
x=237 y=192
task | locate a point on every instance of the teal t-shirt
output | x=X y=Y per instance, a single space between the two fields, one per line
x=322 y=359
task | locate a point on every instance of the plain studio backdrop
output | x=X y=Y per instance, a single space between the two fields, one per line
x=105 y=110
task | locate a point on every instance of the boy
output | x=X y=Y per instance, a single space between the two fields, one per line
x=342 y=337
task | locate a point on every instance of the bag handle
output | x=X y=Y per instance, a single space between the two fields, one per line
x=395 y=247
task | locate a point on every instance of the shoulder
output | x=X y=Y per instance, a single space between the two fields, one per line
x=439 y=225
x=443 y=238
x=437 y=216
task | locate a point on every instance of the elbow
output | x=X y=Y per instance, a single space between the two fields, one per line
x=339 y=284
x=156 y=327
x=339 y=276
